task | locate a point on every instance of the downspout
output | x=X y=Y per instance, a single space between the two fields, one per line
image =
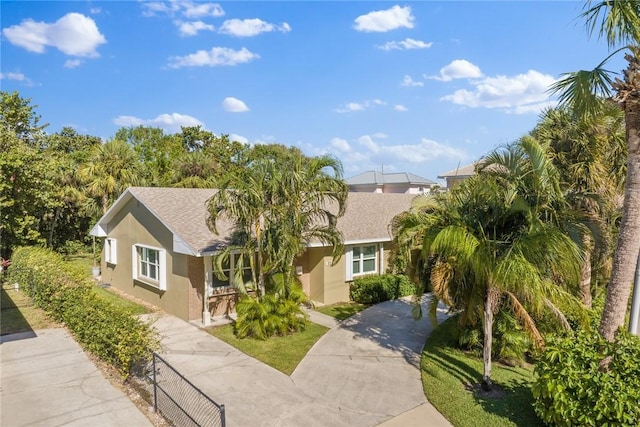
x=634 y=318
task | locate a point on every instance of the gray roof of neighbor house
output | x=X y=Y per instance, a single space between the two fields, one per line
x=183 y=211
x=380 y=178
x=462 y=171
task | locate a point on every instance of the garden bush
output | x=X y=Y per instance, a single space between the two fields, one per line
x=269 y=316
x=111 y=333
x=573 y=389
x=378 y=288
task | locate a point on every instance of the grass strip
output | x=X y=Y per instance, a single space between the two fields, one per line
x=342 y=310
x=281 y=353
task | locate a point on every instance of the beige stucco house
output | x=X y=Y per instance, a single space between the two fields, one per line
x=458 y=175
x=158 y=247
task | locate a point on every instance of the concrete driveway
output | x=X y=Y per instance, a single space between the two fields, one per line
x=47 y=380
x=363 y=372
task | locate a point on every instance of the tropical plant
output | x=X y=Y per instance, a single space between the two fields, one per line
x=110 y=169
x=279 y=202
x=584 y=92
x=586 y=152
x=495 y=244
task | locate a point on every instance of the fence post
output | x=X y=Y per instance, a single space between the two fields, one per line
x=223 y=418
x=155 y=385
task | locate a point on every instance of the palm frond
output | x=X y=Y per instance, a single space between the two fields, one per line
x=583 y=92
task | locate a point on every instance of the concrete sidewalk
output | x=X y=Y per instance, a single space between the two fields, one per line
x=363 y=372
x=47 y=380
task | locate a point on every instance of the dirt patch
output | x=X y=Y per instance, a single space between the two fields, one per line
x=496 y=391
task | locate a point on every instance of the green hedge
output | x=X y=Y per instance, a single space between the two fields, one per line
x=378 y=288
x=63 y=290
x=572 y=389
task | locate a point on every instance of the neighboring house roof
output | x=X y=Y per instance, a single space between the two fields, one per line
x=183 y=212
x=461 y=172
x=380 y=178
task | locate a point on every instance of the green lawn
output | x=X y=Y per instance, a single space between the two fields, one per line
x=282 y=353
x=83 y=260
x=450 y=378
x=120 y=301
x=19 y=314
x=342 y=310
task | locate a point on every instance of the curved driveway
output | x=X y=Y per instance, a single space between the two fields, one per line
x=363 y=372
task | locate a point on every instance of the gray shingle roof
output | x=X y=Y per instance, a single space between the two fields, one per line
x=183 y=211
x=379 y=178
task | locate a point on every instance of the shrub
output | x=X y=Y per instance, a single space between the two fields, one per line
x=111 y=333
x=378 y=288
x=573 y=389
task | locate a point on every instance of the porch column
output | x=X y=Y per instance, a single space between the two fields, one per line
x=208 y=281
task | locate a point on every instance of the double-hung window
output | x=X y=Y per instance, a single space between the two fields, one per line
x=362 y=260
x=149 y=266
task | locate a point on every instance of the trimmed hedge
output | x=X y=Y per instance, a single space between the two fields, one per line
x=572 y=389
x=378 y=288
x=63 y=290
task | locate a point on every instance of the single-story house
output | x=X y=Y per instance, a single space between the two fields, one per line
x=380 y=182
x=158 y=247
x=459 y=174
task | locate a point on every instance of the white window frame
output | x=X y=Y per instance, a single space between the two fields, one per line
x=350 y=259
x=161 y=264
x=227 y=272
x=110 y=250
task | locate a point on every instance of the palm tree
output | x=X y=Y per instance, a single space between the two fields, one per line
x=111 y=168
x=584 y=92
x=494 y=243
x=586 y=152
x=310 y=197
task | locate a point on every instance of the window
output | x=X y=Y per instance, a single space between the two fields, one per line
x=362 y=260
x=229 y=270
x=149 y=266
x=110 y=250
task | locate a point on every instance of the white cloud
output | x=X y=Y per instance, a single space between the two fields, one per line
x=400 y=107
x=359 y=106
x=367 y=153
x=169 y=122
x=520 y=94
x=234 y=105
x=340 y=144
x=385 y=20
x=458 y=69
x=405 y=44
x=217 y=56
x=408 y=81
x=18 y=77
x=73 y=34
x=188 y=9
x=239 y=138
x=380 y=135
x=251 y=27
x=192 y=28
x=72 y=63
x=197 y=10
x=95 y=10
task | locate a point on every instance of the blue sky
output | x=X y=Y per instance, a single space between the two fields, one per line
x=406 y=86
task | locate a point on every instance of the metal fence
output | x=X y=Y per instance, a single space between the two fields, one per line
x=179 y=401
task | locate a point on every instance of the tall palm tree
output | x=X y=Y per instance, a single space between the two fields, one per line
x=111 y=168
x=583 y=91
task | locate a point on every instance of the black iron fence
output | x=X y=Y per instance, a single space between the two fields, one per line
x=179 y=401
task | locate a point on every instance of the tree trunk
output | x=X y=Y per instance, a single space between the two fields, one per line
x=585 y=280
x=628 y=246
x=490 y=306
